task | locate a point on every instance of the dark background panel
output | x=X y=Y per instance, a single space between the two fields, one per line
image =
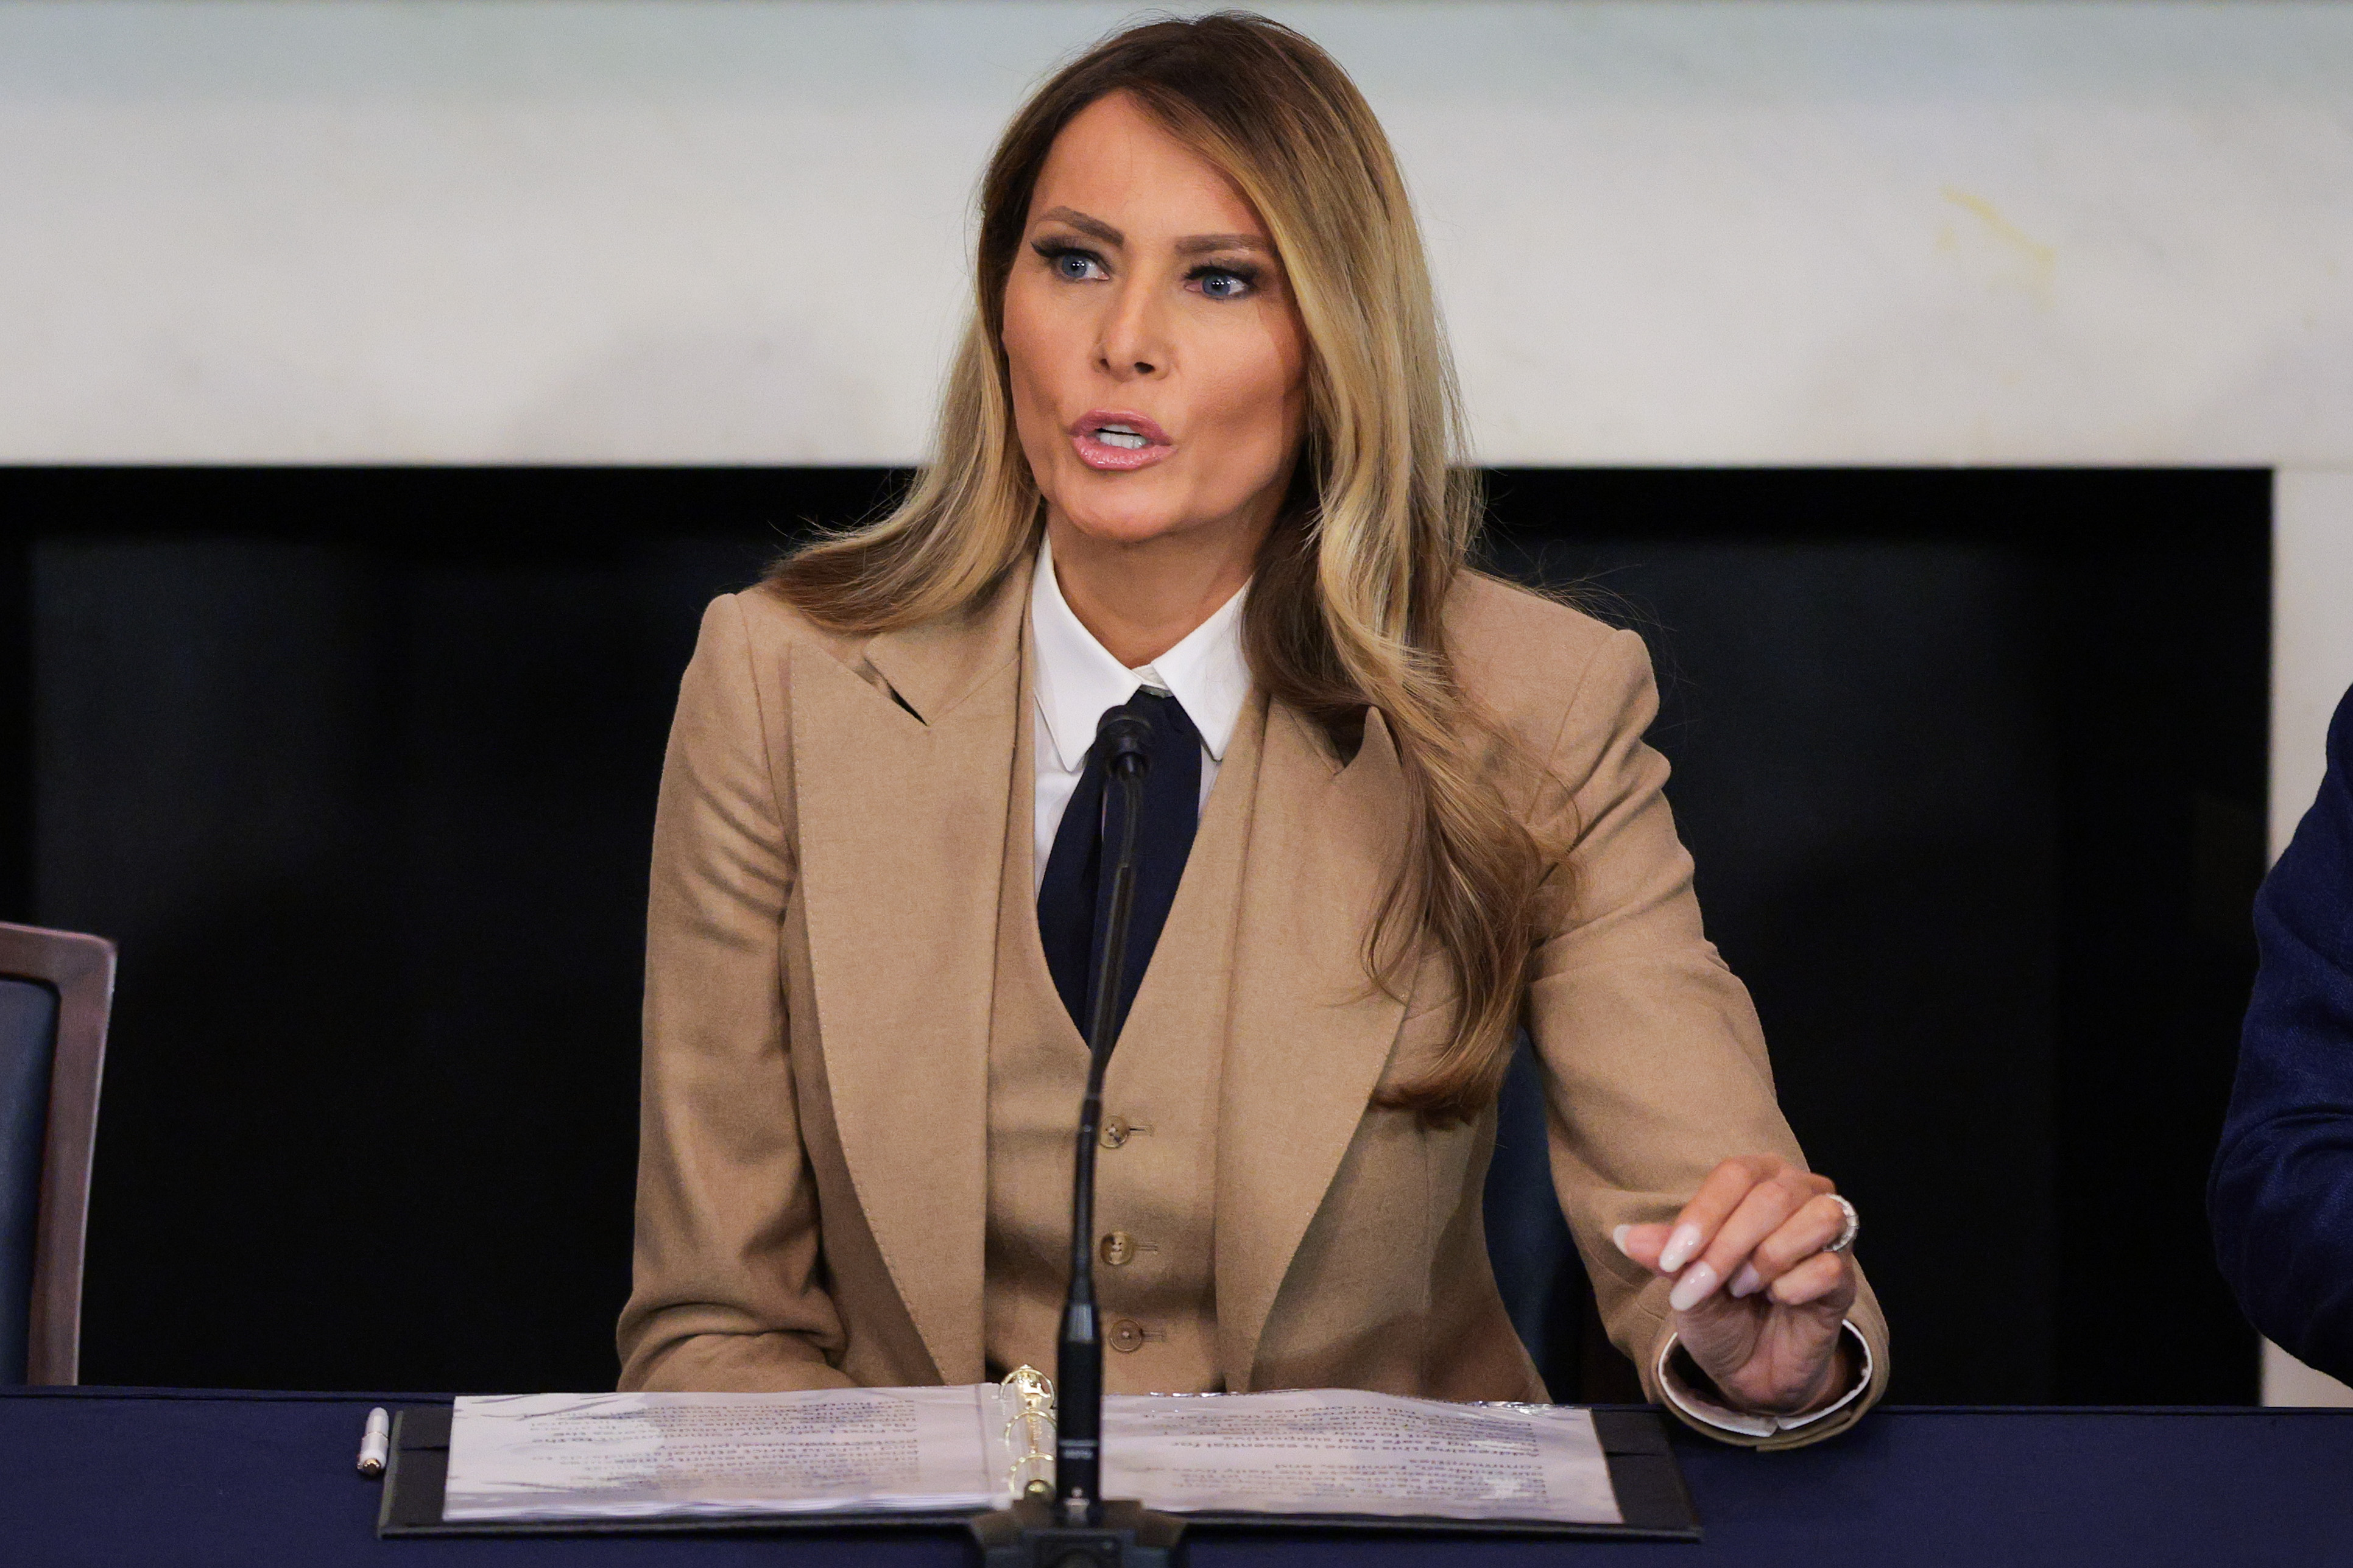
x=2165 y=795
x=1972 y=767
x=359 y=769
x=16 y=723
x=359 y=766
x=1864 y=778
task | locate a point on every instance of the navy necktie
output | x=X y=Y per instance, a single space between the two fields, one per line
x=1075 y=899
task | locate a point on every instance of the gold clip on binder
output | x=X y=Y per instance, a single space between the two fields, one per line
x=1029 y=1433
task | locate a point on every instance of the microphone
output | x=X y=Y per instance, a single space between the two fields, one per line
x=1124 y=740
x=1079 y=1529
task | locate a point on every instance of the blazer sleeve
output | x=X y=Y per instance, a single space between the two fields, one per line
x=2280 y=1195
x=1655 y=1063
x=728 y=1289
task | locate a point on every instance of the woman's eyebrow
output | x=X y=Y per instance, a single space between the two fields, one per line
x=1196 y=244
x=1192 y=244
x=1093 y=227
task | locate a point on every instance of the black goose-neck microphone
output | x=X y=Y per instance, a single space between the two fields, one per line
x=1123 y=740
x=1079 y=1529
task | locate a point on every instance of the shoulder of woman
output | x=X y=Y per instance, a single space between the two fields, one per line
x=1526 y=656
x=770 y=623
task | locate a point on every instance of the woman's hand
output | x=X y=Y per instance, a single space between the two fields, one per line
x=1758 y=1301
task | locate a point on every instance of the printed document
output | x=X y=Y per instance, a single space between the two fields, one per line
x=1322 y=1451
x=645 y=1456
x=1331 y=1452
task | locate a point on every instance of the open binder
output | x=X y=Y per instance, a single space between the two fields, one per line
x=1651 y=1500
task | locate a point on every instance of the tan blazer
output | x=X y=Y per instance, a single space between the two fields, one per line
x=821 y=942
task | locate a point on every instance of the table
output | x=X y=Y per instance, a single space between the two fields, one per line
x=162 y=1478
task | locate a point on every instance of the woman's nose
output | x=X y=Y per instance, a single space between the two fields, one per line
x=1133 y=342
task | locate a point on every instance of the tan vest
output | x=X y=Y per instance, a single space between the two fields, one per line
x=1156 y=1169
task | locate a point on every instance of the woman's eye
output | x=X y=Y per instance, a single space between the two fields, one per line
x=1219 y=284
x=1078 y=266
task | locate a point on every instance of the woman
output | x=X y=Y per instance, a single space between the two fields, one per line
x=1194 y=462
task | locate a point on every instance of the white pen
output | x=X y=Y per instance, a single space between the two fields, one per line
x=375 y=1443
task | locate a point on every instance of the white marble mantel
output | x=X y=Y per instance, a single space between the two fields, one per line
x=683 y=231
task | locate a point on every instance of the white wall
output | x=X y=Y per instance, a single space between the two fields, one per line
x=678 y=231
x=2311 y=633
x=2312 y=667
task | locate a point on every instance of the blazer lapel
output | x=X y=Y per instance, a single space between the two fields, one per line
x=1311 y=1033
x=903 y=784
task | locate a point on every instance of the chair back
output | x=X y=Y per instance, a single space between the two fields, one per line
x=56 y=991
x=1537 y=1271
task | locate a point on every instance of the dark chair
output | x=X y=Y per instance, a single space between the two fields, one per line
x=1536 y=1267
x=55 y=989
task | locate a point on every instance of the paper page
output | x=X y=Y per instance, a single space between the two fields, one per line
x=1342 y=1452
x=642 y=1456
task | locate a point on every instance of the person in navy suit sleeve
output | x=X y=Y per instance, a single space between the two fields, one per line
x=2281 y=1197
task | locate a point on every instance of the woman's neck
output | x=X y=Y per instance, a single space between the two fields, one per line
x=1142 y=599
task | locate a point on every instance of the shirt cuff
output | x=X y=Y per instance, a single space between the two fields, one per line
x=1709 y=1414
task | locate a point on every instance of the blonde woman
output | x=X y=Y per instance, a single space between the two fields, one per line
x=1196 y=461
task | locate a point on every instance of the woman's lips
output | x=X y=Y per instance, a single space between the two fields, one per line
x=1118 y=440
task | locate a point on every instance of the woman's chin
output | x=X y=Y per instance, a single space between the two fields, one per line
x=1127 y=525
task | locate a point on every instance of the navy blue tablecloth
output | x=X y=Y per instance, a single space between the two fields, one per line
x=155 y=1478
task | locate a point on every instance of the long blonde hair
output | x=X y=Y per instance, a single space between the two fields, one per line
x=1346 y=610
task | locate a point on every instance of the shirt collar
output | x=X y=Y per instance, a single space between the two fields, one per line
x=1077 y=678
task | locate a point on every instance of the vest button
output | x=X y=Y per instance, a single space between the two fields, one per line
x=1127 y=1334
x=1115 y=1132
x=1118 y=1248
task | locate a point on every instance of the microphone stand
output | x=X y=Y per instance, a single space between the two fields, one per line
x=1078 y=1529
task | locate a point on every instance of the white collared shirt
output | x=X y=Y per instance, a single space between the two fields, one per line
x=1076 y=679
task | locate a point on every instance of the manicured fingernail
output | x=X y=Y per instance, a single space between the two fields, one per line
x=1693 y=1288
x=1747 y=1282
x=1618 y=1236
x=1681 y=1247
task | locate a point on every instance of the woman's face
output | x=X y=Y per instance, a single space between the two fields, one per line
x=1157 y=361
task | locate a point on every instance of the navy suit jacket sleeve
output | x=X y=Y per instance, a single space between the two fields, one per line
x=2281 y=1198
